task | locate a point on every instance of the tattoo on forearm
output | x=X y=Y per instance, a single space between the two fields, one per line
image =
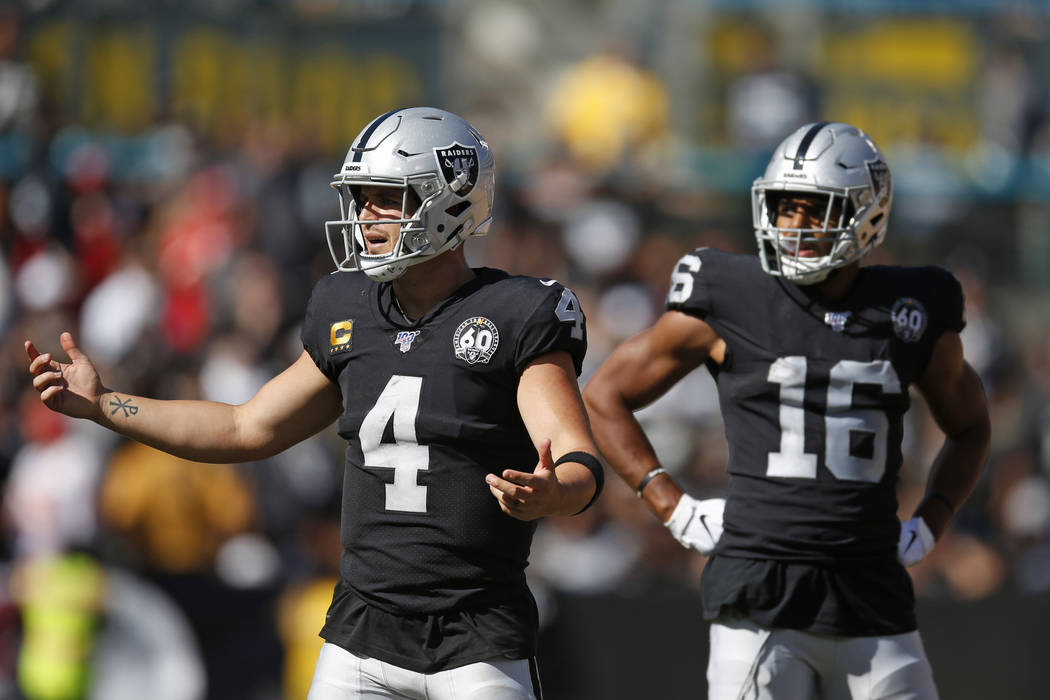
x=129 y=408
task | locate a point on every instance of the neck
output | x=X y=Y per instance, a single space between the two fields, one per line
x=839 y=282
x=426 y=285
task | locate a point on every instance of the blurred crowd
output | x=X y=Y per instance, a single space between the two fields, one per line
x=184 y=271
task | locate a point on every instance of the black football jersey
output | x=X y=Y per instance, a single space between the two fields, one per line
x=430 y=408
x=813 y=395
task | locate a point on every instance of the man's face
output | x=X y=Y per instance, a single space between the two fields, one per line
x=383 y=203
x=807 y=211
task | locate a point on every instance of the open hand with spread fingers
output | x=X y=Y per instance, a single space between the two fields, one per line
x=72 y=388
x=528 y=496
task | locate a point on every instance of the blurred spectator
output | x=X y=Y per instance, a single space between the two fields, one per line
x=600 y=236
x=306 y=599
x=98 y=633
x=302 y=605
x=768 y=99
x=587 y=554
x=118 y=311
x=19 y=88
x=60 y=597
x=145 y=646
x=1012 y=103
x=189 y=527
x=49 y=497
x=6 y=295
x=177 y=513
x=983 y=343
x=608 y=108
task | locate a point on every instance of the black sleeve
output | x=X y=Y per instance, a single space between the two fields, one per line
x=689 y=291
x=556 y=322
x=949 y=302
x=313 y=334
x=940 y=309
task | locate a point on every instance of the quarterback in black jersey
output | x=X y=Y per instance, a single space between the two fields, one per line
x=456 y=391
x=813 y=356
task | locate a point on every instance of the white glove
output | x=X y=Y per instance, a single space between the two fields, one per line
x=915 y=543
x=697 y=524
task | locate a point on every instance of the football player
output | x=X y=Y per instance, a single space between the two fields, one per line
x=813 y=356
x=456 y=391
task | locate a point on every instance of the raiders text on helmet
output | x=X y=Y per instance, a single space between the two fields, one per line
x=435 y=154
x=832 y=159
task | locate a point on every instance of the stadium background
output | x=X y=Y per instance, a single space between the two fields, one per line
x=163 y=180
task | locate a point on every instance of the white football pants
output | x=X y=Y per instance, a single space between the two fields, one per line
x=341 y=675
x=749 y=662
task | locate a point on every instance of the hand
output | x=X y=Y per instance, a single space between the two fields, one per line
x=915 y=543
x=697 y=524
x=73 y=389
x=528 y=496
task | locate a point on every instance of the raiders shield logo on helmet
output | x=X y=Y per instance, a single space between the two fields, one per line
x=880 y=179
x=459 y=167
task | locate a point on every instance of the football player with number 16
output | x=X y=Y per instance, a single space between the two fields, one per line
x=456 y=391
x=813 y=356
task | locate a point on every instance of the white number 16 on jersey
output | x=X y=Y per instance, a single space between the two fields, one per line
x=840 y=420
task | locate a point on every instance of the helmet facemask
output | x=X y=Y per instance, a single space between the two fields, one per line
x=808 y=255
x=346 y=237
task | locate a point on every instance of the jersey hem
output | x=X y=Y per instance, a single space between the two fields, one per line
x=407 y=662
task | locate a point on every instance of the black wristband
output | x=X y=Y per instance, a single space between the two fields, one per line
x=938 y=496
x=647 y=478
x=591 y=462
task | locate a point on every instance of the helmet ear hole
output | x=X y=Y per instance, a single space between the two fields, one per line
x=456 y=209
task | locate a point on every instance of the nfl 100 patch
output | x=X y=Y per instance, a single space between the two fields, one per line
x=404 y=340
x=837 y=319
x=475 y=340
x=909 y=319
x=341 y=336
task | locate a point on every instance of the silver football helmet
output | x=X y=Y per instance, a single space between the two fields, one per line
x=436 y=155
x=833 y=159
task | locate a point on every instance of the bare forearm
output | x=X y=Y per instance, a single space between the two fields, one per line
x=627 y=449
x=577 y=486
x=639 y=372
x=956 y=398
x=953 y=476
x=203 y=431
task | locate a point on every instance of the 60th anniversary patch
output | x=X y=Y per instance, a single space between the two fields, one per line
x=475 y=340
x=909 y=319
